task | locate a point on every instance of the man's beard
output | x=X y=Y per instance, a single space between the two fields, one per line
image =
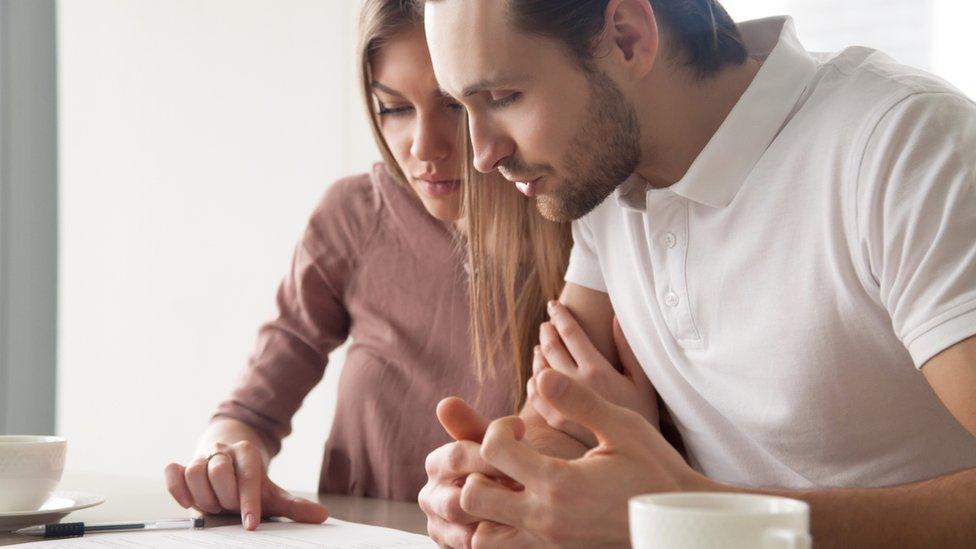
x=603 y=154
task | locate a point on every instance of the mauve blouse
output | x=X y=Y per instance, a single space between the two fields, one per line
x=374 y=267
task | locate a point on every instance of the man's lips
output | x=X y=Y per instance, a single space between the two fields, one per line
x=528 y=188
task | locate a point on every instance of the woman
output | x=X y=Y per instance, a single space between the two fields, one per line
x=382 y=263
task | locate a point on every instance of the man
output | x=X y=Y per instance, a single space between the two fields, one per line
x=787 y=240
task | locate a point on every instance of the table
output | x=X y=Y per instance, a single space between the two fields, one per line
x=145 y=499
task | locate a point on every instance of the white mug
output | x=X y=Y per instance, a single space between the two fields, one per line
x=706 y=520
x=30 y=469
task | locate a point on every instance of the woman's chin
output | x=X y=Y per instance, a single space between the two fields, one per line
x=444 y=207
x=444 y=210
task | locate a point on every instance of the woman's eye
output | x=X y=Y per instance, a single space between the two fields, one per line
x=394 y=111
x=503 y=99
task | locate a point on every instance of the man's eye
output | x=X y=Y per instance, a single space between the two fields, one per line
x=503 y=99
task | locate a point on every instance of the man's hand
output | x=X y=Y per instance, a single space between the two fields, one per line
x=580 y=502
x=447 y=469
x=565 y=347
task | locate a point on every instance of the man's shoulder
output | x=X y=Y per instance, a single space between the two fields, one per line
x=861 y=83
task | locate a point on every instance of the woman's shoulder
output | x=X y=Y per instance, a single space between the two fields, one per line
x=348 y=212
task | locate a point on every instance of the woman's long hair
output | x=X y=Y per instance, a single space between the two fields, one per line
x=516 y=262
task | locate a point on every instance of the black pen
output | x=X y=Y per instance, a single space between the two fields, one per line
x=67 y=529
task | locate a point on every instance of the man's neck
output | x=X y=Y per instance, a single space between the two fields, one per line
x=679 y=114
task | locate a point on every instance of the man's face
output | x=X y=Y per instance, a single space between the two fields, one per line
x=564 y=135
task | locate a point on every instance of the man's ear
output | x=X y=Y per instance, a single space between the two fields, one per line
x=630 y=36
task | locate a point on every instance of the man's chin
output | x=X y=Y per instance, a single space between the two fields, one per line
x=552 y=209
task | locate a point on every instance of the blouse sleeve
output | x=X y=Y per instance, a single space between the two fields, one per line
x=292 y=349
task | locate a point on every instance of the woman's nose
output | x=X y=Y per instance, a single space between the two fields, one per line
x=433 y=139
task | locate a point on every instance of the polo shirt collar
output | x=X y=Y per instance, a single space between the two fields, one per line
x=719 y=171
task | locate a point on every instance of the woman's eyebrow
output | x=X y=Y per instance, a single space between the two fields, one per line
x=385 y=89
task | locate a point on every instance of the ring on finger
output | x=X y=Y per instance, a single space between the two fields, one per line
x=214 y=454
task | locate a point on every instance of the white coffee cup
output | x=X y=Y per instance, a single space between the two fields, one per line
x=30 y=469
x=706 y=520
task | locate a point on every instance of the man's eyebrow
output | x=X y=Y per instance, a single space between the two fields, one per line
x=381 y=87
x=487 y=84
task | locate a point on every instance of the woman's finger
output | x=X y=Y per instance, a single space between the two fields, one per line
x=250 y=479
x=198 y=482
x=176 y=484
x=555 y=352
x=574 y=339
x=223 y=480
x=538 y=361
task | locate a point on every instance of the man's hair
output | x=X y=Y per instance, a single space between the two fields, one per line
x=702 y=35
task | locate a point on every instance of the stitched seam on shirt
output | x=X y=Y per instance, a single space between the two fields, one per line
x=909 y=85
x=327 y=279
x=924 y=329
x=381 y=204
x=691 y=315
x=339 y=295
x=857 y=168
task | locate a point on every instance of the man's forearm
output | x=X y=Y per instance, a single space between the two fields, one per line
x=940 y=512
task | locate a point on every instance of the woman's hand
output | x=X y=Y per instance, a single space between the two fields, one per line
x=233 y=477
x=564 y=347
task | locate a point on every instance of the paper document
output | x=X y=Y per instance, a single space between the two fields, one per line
x=278 y=535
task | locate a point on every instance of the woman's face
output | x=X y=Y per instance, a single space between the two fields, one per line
x=420 y=123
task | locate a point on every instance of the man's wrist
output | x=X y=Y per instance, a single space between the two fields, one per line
x=697 y=482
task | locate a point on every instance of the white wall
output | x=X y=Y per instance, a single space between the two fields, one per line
x=195 y=137
x=932 y=34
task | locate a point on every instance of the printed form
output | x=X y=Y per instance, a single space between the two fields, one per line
x=334 y=534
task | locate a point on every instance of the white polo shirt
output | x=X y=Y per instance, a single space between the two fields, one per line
x=782 y=295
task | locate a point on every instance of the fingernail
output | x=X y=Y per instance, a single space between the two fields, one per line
x=250 y=522
x=556 y=386
x=551 y=306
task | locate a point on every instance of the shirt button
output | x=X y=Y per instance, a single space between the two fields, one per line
x=670 y=240
x=671 y=299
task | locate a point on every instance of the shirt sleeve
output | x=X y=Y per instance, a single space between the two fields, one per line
x=292 y=349
x=584 y=264
x=916 y=219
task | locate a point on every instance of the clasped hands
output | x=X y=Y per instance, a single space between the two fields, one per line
x=494 y=486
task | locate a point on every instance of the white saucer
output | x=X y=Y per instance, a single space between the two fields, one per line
x=54 y=509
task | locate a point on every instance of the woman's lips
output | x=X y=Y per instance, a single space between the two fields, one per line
x=439 y=189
